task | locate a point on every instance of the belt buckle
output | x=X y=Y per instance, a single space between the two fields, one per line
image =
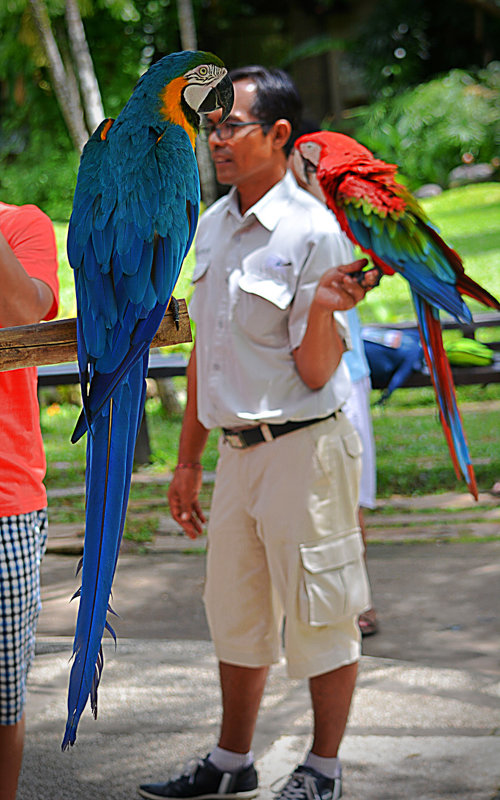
x=266 y=432
x=235 y=441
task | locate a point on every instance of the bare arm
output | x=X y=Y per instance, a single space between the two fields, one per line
x=186 y=483
x=23 y=300
x=321 y=349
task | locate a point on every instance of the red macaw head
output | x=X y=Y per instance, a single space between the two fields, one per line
x=326 y=151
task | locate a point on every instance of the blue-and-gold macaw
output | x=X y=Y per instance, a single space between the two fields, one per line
x=384 y=219
x=134 y=216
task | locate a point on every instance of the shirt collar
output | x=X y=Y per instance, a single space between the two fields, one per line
x=271 y=207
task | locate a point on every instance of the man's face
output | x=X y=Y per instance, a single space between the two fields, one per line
x=248 y=155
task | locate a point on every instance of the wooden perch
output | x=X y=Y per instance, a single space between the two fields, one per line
x=55 y=342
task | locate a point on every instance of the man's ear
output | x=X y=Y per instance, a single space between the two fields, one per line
x=281 y=132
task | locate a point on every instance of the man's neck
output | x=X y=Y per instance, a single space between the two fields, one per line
x=251 y=192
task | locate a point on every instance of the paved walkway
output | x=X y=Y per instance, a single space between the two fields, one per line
x=425 y=724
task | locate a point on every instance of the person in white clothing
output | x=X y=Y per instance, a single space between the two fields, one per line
x=272 y=280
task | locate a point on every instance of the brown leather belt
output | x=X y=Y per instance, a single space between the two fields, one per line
x=247 y=437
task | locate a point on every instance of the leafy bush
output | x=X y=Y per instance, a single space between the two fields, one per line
x=43 y=174
x=429 y=129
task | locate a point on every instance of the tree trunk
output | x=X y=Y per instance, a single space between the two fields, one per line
x=91 y=95
x=68 y=102
x=187 y=31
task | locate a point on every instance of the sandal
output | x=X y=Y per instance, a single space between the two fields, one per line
x=368 y=623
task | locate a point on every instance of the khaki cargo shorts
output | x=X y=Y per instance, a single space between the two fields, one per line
x=284 y=543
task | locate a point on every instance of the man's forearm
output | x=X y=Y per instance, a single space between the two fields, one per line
x=193 y=434
x=321 y=349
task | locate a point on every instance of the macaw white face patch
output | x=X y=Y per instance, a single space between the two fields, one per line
x=307 y=179
x=200 y=82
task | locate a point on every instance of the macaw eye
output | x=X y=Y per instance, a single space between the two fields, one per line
x=203 y=71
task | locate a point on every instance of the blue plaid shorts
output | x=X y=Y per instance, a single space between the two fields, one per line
x=23 y=539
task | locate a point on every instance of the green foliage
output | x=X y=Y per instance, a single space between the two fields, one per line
x=43 y=174
x=428 y=130
x=37 y=161
x=403 y=44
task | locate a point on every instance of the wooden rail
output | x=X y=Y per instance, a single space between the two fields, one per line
x=55 y=342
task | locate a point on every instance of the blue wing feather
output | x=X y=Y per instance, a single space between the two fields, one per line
x=420 y=261
x=409 y=250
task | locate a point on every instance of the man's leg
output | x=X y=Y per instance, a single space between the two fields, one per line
x=242 y=689
x=331 y=695
x=11 y=755
x=228 y=769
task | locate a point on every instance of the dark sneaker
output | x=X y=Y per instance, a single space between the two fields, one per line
x=307 y=784
x=205 y=782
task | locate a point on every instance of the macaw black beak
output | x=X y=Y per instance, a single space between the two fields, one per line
x=221 y=96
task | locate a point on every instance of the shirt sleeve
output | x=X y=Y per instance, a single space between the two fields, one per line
x=331 y=249
x=32 y=239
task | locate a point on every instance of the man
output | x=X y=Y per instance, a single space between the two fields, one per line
x=283 y=534
x=28 y=275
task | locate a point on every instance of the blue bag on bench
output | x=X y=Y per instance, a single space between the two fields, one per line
x=392 y=355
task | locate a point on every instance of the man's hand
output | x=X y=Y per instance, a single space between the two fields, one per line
x=183 y=499
x=341 y=288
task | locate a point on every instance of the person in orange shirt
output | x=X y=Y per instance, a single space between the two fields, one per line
x=28 y=277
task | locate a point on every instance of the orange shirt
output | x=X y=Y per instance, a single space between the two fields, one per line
x=30 y=234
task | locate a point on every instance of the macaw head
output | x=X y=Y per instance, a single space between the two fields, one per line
x=325 y=153
x=181 y=86
x=323 y=157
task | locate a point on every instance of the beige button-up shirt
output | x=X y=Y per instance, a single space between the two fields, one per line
x=255 y=278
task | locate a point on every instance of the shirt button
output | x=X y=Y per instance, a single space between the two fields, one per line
x=216 y=367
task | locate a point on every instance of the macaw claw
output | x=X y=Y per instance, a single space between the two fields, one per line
x=174 y=305
x=368 y=278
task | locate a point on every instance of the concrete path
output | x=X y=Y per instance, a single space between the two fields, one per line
x=425 y=724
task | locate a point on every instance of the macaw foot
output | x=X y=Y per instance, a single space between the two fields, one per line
x=368 y=278
x=174 y=307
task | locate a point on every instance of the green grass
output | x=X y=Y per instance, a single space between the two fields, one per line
x=66 y=461
x=412 y=456
x=468 y=218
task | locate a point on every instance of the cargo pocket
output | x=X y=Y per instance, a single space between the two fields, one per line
x=352 y=444
x=334 y=581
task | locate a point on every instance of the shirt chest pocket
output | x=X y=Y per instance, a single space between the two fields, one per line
x=266 y=288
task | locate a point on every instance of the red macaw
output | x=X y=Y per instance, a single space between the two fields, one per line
x=384 y=219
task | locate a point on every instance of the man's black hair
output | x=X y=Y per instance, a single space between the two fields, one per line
x=277 y=96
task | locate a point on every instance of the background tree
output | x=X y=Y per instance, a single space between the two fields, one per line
x=344 y=54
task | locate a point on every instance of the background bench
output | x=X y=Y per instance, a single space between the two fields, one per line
x=463 y=376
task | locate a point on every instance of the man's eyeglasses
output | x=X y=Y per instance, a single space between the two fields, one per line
x=227 y=129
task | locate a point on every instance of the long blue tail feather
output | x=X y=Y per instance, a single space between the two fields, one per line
x=110 y=452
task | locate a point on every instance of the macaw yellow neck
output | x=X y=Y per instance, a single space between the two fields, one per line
x=171 y=106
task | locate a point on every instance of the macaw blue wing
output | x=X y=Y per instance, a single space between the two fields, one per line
x=409 y=246
x=406 y=245
x=134 y=217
